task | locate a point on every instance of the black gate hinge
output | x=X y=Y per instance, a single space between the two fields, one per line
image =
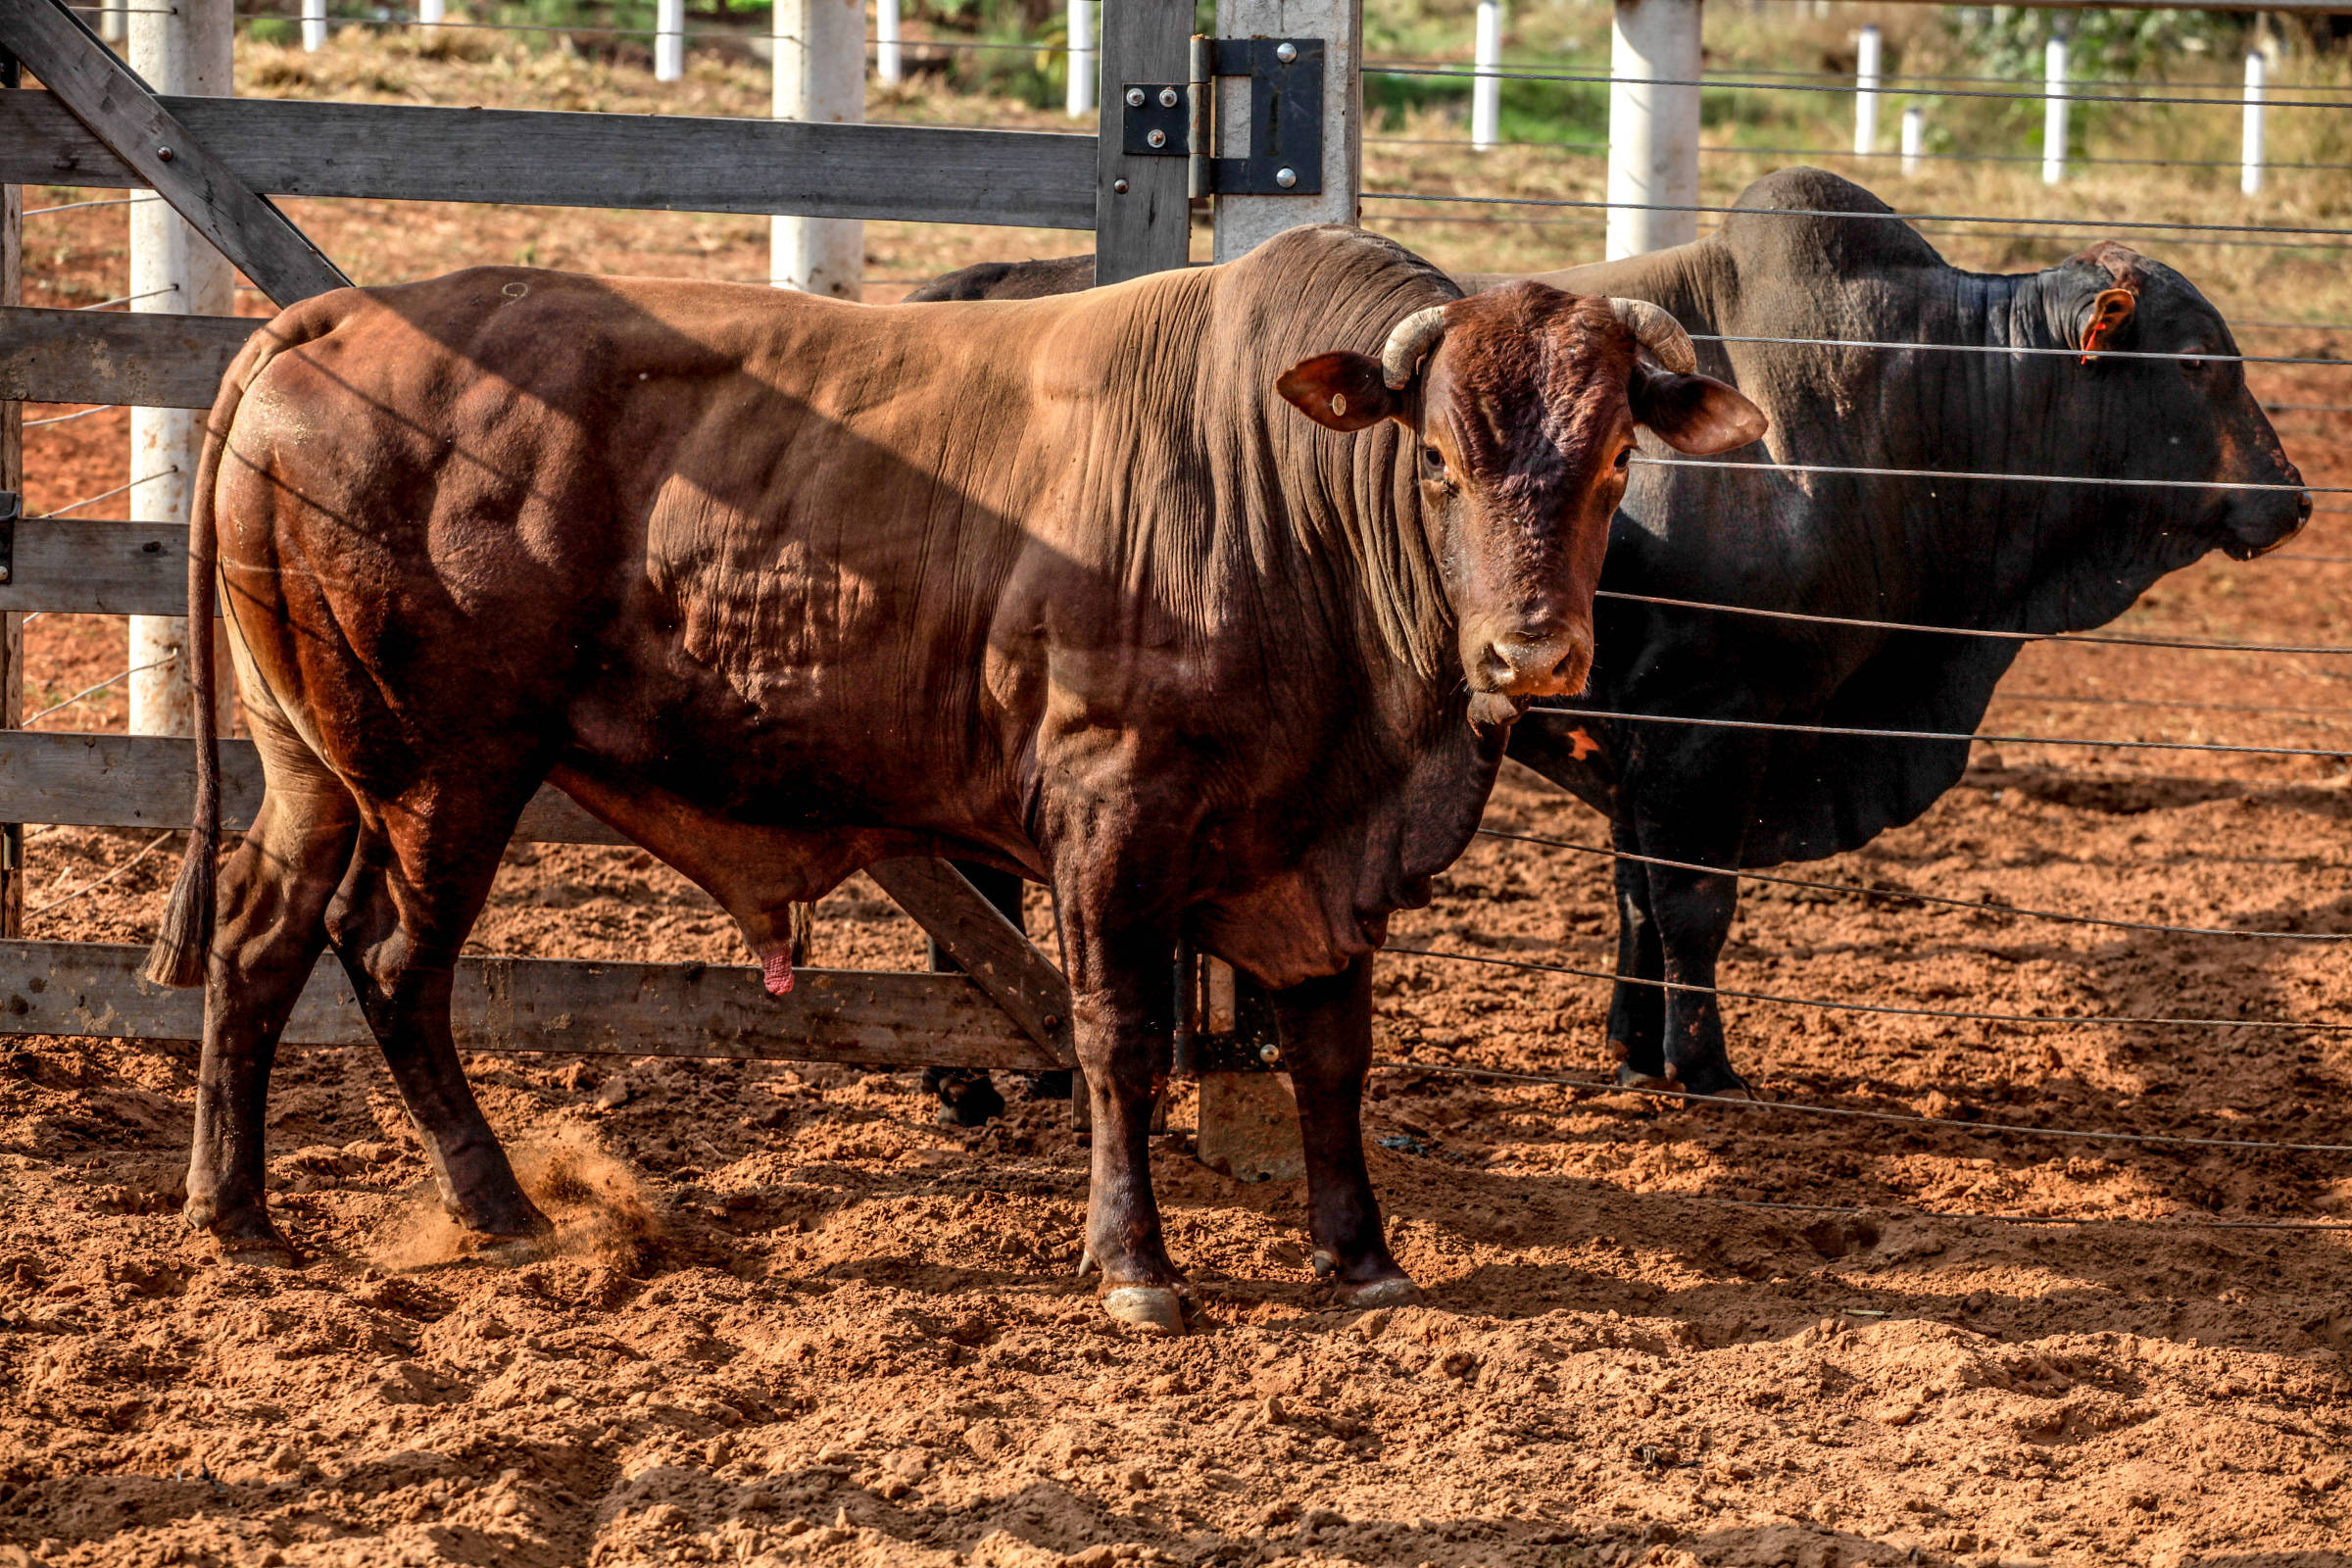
x=12 y=507
x=1284 y=129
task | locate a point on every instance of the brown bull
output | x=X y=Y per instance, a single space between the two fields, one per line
x=780 y=587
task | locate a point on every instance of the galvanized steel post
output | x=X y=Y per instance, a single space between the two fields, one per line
x=1653 y=125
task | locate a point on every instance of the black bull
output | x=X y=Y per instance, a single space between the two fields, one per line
x=2008 y=556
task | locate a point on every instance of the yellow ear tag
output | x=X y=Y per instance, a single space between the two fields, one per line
x=1338 y=405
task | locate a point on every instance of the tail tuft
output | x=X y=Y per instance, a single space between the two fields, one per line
x=178 y=958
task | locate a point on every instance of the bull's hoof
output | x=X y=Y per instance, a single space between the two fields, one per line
x=1630 y=1076
x=1155 y=1309
x=1397 y=1289
x=246 y=1236
x=258 y=1251
x=529 y=1248
x=1714 y=1078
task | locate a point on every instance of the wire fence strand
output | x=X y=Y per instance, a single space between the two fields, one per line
x=92 y=691
x=2104 y=638
x=91 y=501
x=1906 y=895
x=2045 y=1021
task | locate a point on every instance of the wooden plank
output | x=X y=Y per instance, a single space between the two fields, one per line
x=97 y=566
x=155 y=361
x=997 y=955
x=104 y=96
x=1147 y=226
x=149 y=781
x=922 y=174
x=11 y=481
x=876 y=1017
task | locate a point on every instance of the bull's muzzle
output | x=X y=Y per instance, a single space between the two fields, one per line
x=1537 y=663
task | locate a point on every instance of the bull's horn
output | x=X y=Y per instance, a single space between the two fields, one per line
x=1412 y=338
x=1658 y=332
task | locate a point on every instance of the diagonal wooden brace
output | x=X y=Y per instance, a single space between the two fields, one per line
x=1000 y=960
x=103 y=94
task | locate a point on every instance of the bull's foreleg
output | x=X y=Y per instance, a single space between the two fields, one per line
x=1326 y=1030
x=1689 y=803
x=268 y=935
x=1122 y=1006
x=1637 y=1010
x=397 y=924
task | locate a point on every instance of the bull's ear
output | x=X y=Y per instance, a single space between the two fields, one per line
x=1340 y=391
x=1695 y=413
x=2106 y=319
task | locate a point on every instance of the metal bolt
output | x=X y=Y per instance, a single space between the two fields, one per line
x=3 y=574
x=1135 y=97
x=1269 y=1052
x=1051 y=1020
x=165 y=153
x=1157 y=138
x=1167 y=97
x=1286 y=178
x=1118 y=187
x=1286 y=52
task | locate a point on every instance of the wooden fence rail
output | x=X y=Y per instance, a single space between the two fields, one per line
x=871 y=1016
x=548 y=157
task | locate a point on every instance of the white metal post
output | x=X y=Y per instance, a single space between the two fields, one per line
x=886 y=42
x=313 y=25
x=1866 y=93
x=1079 y=99
x=1915 y=135
x=432 y=12
x=2249 y=174
x=113 y=20
x=1486 y=92
x=1243 y=223
x=669 y=40
x=181 y=49
x=1653 y=125
x=2053 y=112
x=820 y=76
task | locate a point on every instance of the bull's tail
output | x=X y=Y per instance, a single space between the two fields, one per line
x=178 y=958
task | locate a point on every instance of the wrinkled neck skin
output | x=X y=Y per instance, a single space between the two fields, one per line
x=1340 y=698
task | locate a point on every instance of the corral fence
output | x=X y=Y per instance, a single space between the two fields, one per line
x=1170 y=132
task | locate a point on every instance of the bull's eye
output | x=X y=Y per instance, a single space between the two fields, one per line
x=1625 y=458
x=1433 y=461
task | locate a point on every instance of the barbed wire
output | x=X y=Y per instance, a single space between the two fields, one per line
x=92 y=886
x=2068 y=96
x=2005 y=478
x=1849 y=81
x=128 y=299
x=60 y=418
x=2069 y=1020
x=92 y=691
x=67 y=207
x=2117 y=639
x=1905 y=894
x=102 y=495
x=1719 y=211
x=1855 y=733
x=1727 y=149
x=2086 y=231
x=1798 y=1107
x=2325 y=715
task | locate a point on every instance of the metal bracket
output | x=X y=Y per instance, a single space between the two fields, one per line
x=1224 y=1023
x=12 y=507
x=1284 y=129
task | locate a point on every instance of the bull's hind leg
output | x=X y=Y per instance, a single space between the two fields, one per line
x=269 y=931
x=1327 y=1043
x=414 y=889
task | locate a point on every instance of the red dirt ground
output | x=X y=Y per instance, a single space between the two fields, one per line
x=793 y=1321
